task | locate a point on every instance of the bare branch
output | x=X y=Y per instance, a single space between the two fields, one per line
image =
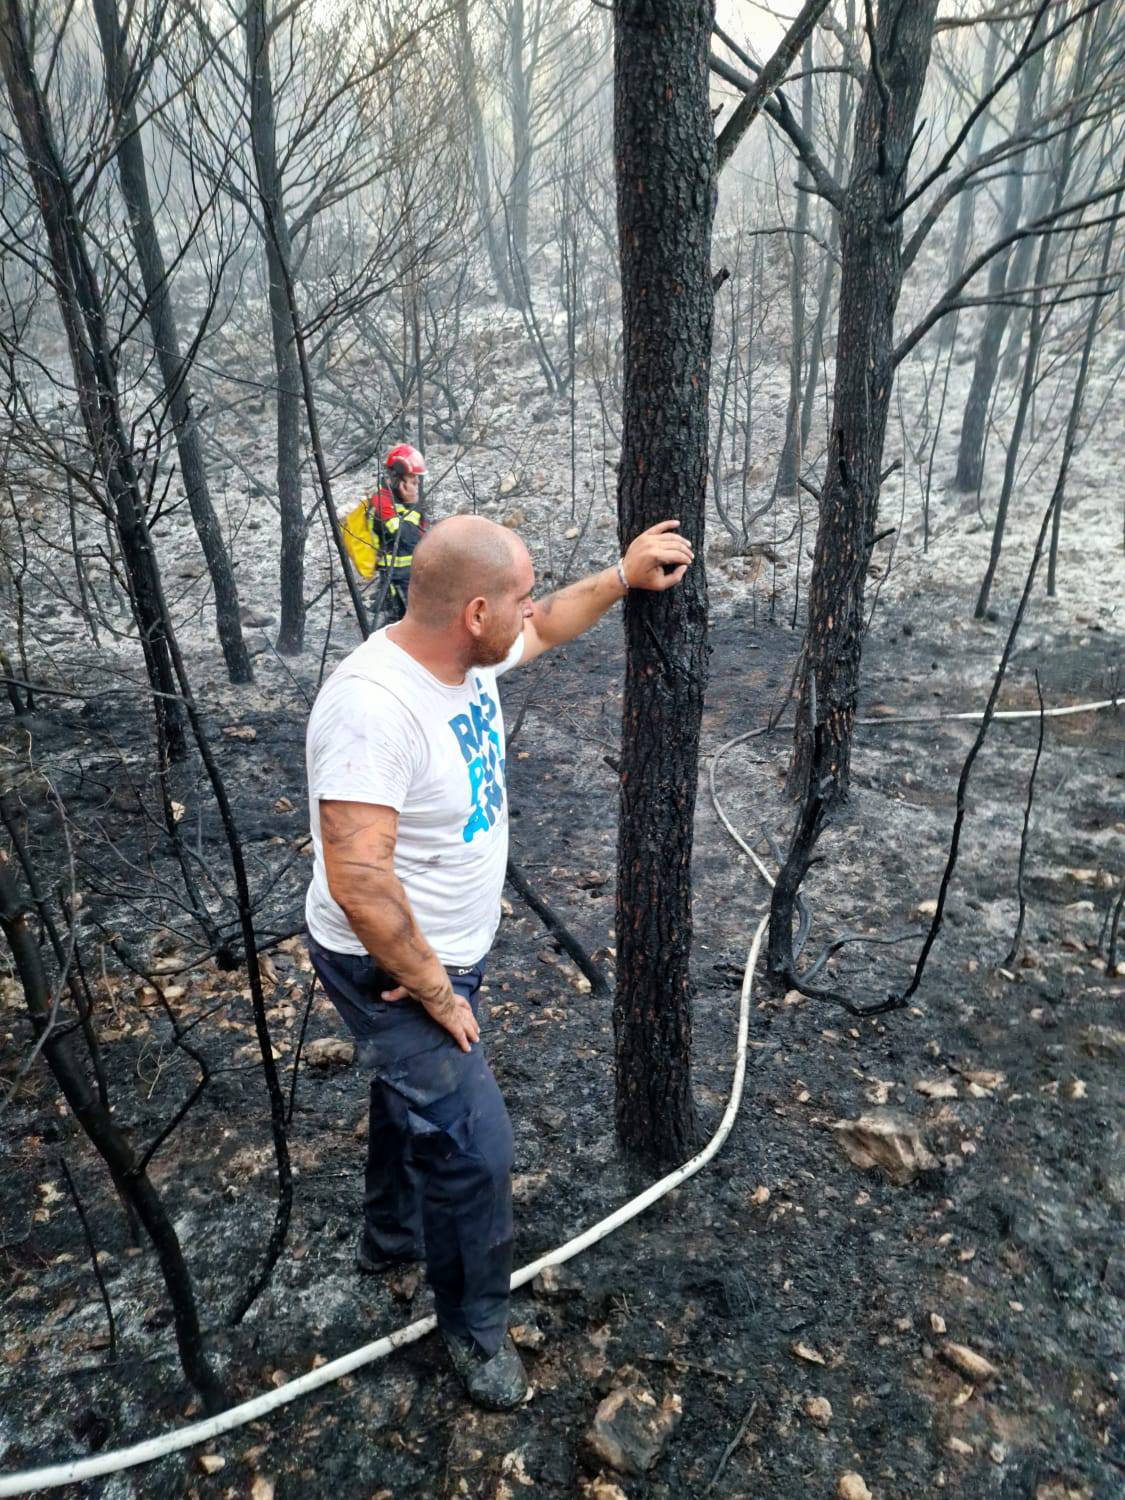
x=1027 y=50
x=1062 y=118
x=986 y=18
x=777 y=109
x=1047 y=224
x=768 y=80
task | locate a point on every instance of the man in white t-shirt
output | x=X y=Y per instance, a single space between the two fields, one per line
x=409 y=813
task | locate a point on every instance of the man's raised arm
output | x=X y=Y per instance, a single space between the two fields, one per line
x=568 y=612
x=358 y=839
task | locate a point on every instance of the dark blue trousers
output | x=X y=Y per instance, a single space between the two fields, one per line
x=439 y=1146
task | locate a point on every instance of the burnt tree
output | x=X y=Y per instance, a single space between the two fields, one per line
x=1074 y=416
x=874 y=258
x=870 y=283
x=974 y=420
x=792 y=449
x=79 y=296
x=482 y=167
x=53 y=1033
x=665 y=164
x=122 y=81
x=965 y=208
x=278 y=261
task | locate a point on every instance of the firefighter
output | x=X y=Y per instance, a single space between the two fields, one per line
x=380 y=534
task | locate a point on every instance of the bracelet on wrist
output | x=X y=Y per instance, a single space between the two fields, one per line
x=620 y=566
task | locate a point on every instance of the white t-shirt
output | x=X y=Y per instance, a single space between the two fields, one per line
x=385 y=730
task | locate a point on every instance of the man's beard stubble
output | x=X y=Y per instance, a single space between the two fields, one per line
x=492 y=649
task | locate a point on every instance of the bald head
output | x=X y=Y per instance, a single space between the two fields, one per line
x=458 y=560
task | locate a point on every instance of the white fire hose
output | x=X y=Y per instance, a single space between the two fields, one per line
x=54 y=1475
x=250 y=1411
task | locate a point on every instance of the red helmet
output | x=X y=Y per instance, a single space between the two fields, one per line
x=410 y=459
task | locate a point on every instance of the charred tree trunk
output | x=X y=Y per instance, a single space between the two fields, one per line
x=519 y=195
x=1027 y=390
x=126 y=1169
x=1059 y=173
x=1074 y=417
x=788 y=467
x=970 y=451
x=497 y=255
x=948 y=329
x=871 y=279
x=120 y=92
x=80 y=304
x=665 y=161
x=828 y=269
x=278 y=253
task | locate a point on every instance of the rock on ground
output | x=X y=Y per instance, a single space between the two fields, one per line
x=630 y=1430
x=889 y=1140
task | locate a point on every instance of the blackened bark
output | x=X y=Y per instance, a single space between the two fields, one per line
x=166 y=339
x=80 y=305
x=828 y=271
x=1027 y=390
x=811 y=821
x=789 y=464
x=494 y=242
x=129 y=1178
x=519 y=194
x=871 y=280
x=948 y=330
x=970 y=449
x=1056 y=165
x=1074 y=417
x=665 y=161
x=278 y=253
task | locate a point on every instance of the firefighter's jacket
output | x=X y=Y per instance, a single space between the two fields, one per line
x=382 y=533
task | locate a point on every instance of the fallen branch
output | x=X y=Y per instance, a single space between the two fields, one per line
x=729 y=1450
x=558 y=929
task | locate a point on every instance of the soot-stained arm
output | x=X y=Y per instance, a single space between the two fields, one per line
x=655 y=560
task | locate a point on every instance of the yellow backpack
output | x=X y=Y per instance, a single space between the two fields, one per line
x=359 y=542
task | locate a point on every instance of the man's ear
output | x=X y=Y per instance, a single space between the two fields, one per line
x=475 y=612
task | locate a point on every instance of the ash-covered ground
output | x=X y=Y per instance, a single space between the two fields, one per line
x=793 y=1316
x=783 y=1272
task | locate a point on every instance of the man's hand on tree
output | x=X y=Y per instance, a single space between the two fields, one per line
x=448 y=1009
x=658 y=558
